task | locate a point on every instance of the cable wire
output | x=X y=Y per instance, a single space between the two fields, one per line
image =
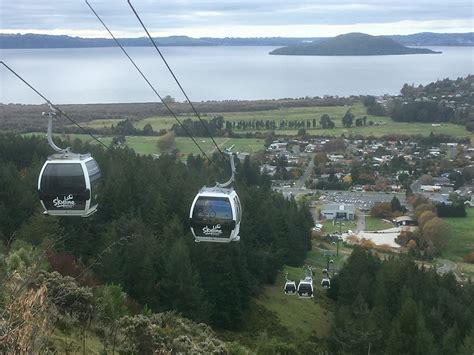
x=174 y=77
x=53 y=105
x=147 y=81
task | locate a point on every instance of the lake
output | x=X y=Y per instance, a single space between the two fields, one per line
x=104 y=75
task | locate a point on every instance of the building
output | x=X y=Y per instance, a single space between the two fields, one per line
x=278 y=147
x=469 y=203
x=404 y=221
x=337 y=211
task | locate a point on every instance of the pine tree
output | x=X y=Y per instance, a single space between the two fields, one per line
x=180 y=287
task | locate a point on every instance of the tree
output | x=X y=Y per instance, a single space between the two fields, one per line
x=148 y=130
x=347 y=119
x=125 y=128
x=326 y=122
x=409 y=334
x=180 y=288
x=426 y=180
x=168 y=99
x=368 y=101
x=438 y=232
x=425 y=217
x=167 y=142
x=423 y=208
x=396 y=205
x=381 y=210
x=38 y=229
x=110 y=303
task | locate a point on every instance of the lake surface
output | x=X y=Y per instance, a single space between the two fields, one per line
x=103 y=75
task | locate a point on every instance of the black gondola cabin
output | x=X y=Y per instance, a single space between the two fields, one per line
x=290 y=288
x=215 y=215
x=67 y=185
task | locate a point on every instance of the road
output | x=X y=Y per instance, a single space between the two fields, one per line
x=360 y=221
x=307 y=173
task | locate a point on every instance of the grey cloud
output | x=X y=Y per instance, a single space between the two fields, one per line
x=72 y=14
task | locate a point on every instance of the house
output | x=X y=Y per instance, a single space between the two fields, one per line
x=278 y=147
x=430 y=188
x=404 y=221
x=338 y=211
x=469 y=203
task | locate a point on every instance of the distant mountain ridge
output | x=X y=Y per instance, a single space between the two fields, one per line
x=18 y=41
x=352 y=44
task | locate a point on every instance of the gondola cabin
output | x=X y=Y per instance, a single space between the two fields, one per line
x=215 y=215
x=305 y=288
x=290 y=288
x=67 y=185
x=326 y=283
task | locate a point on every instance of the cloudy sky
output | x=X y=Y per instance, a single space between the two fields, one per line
x=247 y=18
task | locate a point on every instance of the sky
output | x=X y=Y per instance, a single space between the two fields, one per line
x=229 y=18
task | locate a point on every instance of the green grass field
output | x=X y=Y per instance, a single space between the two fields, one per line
x=304 y=318
x=375 y=224
x=148 y=145
x=462 y=241
x=382 y=125
x=328 y=226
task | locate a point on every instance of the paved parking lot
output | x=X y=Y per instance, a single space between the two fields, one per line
x=360 y=199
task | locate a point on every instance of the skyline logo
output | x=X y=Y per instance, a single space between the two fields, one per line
x=67 y=202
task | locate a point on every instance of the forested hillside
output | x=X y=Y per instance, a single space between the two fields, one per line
x=397 y=307
x=130 y=278
x=140 y=238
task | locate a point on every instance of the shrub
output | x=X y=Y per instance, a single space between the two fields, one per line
x=469 y=258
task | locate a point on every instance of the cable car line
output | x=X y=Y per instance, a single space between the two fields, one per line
x=56 y=108
x=147 y=81
x=175 y=78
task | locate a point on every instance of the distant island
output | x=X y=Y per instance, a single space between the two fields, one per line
x=29 y=40
x=351 y=44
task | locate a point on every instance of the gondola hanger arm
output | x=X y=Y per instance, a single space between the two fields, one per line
x=232 y=168
x=51 y=115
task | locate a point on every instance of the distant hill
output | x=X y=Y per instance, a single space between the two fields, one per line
x=13 y=41
x=18 y=41
x=436 y=39
x=351 y=44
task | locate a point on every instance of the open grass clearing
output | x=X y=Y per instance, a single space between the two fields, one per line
x=148 y=145
x=329 y=227
x=302 y=317
x=376 y=224
x=382 y=125
x=462 y=236
x=462 y=240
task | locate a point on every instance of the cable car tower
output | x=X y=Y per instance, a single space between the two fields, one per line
x=216 y=211
x=67 y=183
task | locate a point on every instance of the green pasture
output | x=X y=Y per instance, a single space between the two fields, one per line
x=462 y=241
x=382 y=125
x=148 y=145
x=328 y=226
x=304 y=318
x=376 y=224
x=462 y=236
